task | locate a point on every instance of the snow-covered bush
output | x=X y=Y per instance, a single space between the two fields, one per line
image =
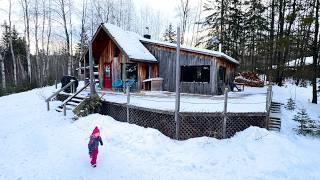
x=291 y=105
x=306 y=126
x=90 y=105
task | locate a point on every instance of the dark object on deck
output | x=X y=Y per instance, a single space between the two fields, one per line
x=147 y=36
x=65 y=80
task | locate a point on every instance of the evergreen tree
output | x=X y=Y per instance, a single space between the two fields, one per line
x=306 y=126
x=291 y=105
x=170 y=35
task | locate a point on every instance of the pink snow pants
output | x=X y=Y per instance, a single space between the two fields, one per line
x=94 y=155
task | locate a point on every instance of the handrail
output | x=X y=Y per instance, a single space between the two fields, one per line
x=70 y=97
x=63 y=88
x=54 y=94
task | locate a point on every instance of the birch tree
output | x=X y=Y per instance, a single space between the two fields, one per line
x=48 y=39
x=11 y=47
x=3 y=72
x=26 y=18
x=63 y=14
x=184 y=15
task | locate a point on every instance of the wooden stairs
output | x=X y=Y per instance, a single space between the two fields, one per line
x=72 y=101
x=274 y=123
x=71 y=104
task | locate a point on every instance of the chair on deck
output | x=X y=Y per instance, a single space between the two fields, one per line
x=117 y=84
x=130 y=82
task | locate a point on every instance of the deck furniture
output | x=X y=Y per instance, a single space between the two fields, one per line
x=117 y=84
x=153 y=84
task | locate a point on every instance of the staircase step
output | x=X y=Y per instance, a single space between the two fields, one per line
x=275 y=124
x=77 y=99
x=72 y=103
x=274 y=129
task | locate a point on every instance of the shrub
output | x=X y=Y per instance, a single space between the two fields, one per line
x=90 y=105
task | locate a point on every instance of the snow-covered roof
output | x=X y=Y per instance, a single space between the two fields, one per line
x=192 y=49
x=297 y=62
x=129 y=43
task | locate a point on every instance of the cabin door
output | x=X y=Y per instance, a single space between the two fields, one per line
x=107 y=76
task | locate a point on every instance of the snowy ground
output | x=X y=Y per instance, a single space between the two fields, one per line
x=36 y=144
x=251 y=100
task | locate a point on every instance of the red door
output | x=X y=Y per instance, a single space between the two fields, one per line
x=107 y=76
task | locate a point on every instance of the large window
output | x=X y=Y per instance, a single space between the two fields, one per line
x=130 y=71
x=195 y=73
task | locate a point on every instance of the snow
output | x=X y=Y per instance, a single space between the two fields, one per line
x=40 y=144
x=129 y=42
x=307 y=61
x=192 y=49
x=250 y=100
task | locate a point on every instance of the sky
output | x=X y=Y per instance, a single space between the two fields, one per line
x=167 y=9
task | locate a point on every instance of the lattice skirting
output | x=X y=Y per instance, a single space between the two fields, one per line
x=191 y=124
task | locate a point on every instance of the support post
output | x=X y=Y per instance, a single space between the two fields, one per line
x=224 y=126
x=92 y=83
x=48 y=106
x=128 y=102
x=64 y=110
x=177 y=104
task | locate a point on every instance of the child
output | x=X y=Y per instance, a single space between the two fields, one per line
x=93 y=145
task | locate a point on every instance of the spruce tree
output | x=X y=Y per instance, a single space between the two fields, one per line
x=291 y=105
x=170 y=35
x=306 y=126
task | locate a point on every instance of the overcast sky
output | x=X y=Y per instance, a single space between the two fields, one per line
x=167 y=8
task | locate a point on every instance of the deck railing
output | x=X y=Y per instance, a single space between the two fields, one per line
x=71 y=83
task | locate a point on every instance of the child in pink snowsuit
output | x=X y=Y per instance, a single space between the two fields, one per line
x=93 y=146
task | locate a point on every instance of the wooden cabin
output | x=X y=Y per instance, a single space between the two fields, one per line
x=122 y=55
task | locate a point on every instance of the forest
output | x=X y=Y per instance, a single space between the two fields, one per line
x=50 y=36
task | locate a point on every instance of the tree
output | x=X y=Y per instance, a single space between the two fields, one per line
x=11 y=48
x=63 y=15
x=170 y=34
x=184 y=16
x=26 y=19
x=315 y=53
x=3 y=72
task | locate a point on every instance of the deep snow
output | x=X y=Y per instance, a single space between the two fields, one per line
x=36 y=144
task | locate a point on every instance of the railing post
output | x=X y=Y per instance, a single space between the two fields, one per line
x=128 y=102
x=224 y=126
x=48 y=106
x=64 y=110
x=177 y=101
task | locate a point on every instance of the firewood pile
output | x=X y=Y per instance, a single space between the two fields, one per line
x=249 y=79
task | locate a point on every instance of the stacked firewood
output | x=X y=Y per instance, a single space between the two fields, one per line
x=249 y=79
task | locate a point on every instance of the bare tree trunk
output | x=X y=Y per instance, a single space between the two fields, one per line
x=48 y=41
x=185 y=15
x=42 y=42
x=71 y=47
x=315 y=54
x=3 y=73
x=83 y=21
x=11 y=48
x=36 y=26
x=63 y=14
x=25 y=8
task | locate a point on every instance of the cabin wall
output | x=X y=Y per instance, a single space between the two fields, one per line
x=167 y=64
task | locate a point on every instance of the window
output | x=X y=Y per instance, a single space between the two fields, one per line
x=195 y=73
x=130 y=71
